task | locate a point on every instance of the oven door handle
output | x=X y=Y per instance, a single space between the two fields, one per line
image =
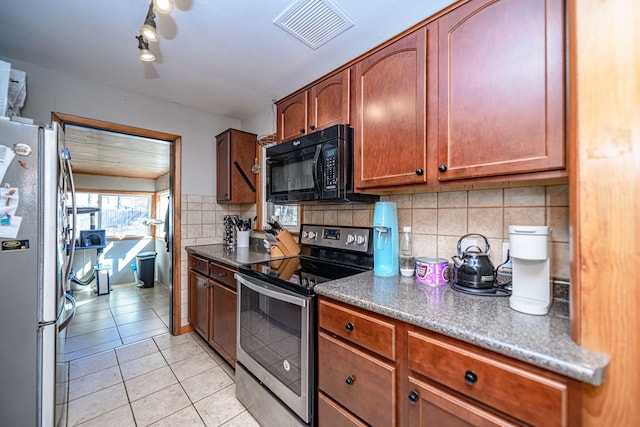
x=264 y=289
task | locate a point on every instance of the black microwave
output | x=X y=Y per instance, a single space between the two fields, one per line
x=314 y=168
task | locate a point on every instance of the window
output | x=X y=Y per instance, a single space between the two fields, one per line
x=120 y=215
x=288 y=215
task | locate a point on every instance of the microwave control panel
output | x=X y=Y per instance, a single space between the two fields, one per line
x=331 y=168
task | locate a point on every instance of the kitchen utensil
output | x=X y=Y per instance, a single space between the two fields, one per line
x=473 y=268
x=271 y=238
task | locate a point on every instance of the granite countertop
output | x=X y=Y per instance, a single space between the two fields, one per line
x=234 y=257
x=487 y=322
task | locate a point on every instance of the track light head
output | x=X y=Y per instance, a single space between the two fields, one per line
x=145 y=54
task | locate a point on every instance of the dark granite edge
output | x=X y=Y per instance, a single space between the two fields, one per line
x=592 y=373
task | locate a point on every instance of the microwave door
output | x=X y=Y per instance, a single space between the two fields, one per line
x=291 y=176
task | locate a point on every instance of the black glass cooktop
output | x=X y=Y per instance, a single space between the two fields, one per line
x=298 y=274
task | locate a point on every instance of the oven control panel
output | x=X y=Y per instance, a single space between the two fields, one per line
x=357 y=239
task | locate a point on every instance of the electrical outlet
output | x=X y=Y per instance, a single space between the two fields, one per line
x=505 y=250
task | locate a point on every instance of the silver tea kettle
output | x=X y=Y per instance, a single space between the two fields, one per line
x=473 y=268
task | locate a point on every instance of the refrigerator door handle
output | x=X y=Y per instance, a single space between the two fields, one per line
x=74 y=212
x=66 y=321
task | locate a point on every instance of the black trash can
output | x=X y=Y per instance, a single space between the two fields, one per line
x=146 y=266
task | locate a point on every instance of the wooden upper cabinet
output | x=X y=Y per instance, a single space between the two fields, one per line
x=235 y=156
x=390 y=111
x=329 y=102
x=322 y=105
x=501 y=96
x=292 y=117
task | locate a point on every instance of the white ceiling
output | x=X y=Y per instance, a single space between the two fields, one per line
x=226 y=57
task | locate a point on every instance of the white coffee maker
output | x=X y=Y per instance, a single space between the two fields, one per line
x=529 y=249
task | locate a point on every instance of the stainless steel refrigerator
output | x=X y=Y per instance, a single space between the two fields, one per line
x=35 y=231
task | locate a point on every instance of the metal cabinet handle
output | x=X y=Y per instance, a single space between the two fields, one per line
x=442 y=168
x=470 y=377
x=414 y=397
x=312 y=127
x=222 y=275
x=349 y=327
x=350 y=380
x=419 y=171
x=301 y=130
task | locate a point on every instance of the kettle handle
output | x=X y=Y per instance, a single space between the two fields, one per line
x=486 y=242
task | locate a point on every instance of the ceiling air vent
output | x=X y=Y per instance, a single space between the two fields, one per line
x=314 y=22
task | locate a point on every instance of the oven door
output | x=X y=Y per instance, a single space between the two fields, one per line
x=274 y=341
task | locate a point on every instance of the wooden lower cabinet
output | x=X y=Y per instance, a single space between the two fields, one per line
x=362 y=383
x=430 y=405
x=213 y=305
x=331 y=413
x=429 y=380
x=223 y=321
x=199 y=303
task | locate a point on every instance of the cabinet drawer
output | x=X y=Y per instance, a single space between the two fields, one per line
x=359 y=328
x=361 y=383
x=222 y=274
x=490 y=379
x=432 y=406
x=331 y=414
x=198 y=264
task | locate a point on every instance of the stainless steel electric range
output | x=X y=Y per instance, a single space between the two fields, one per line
x=277 y=322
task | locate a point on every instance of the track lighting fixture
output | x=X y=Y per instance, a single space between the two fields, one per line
x=163 y=6
x=148 y=29
x=145 y=54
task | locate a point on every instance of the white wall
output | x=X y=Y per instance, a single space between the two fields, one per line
x=262 y=123
x=54 y=91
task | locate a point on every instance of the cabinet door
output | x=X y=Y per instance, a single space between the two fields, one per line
x=199 y=303
x=236 y=153
x=223 y=321
x=329 y=102
x=501 y=98
x=390 y=113
x=223 y=163
x=432 y=406
x=292 y=117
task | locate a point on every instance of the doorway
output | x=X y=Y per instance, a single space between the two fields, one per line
x=127 y=159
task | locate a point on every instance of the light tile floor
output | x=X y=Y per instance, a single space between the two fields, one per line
x=127 y=370
x=127 y=314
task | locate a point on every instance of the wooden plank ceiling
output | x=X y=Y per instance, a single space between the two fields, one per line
x=105 y=153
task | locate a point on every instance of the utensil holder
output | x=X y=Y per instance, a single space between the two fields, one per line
x=243 y=238
x=229 y=238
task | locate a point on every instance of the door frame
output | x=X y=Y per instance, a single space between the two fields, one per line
x=175 y=186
